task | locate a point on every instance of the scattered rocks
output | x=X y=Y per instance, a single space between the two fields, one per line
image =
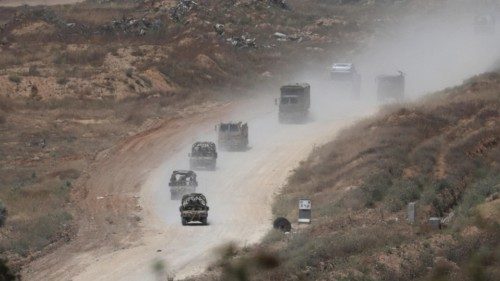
x=219 y=28
x=183 y=7
x=242 y=42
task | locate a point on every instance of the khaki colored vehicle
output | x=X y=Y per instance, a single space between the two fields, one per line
x=294 y=103
x=203 y=156
x=346 y=79
x=232 y=136
x=194 y=209
x=391 y=87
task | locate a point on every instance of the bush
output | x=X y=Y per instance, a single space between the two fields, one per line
x=93 y=56
x=14 y=78
x=62 y=80
x=40 y=232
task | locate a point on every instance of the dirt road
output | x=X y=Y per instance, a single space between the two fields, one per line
x=239 y=194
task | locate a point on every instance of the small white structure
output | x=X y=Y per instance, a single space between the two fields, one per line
x=412 y=212
x=304 y=211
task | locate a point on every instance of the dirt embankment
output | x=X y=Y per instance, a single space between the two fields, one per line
x=441 y=152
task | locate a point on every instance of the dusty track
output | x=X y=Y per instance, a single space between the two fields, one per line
x=240 y=193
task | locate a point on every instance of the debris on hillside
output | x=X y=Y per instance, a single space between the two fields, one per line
x=242 y=42
x=131 y=25
x=280 y=4
x=294 y=37
x=219 y=28
x=180 y=10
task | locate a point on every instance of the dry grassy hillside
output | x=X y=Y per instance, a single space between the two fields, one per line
x=442 y=152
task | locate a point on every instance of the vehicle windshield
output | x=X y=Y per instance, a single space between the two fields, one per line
x=289 y=100
x=230 y=127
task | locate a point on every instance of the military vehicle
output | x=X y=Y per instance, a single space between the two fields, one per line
x=194 y=208
x=346 y=78
x=484 y=24
x=391 y=87
x=232 y=136
x=294 y=103
x=203 y=156
x=181 y=183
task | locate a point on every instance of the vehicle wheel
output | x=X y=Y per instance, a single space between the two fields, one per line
x=282 y=224
x=204 y=221
x=184 y=221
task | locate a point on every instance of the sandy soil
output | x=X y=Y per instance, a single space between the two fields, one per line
x=239 y=193
x=14 y=3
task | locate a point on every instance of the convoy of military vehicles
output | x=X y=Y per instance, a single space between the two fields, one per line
x=293 y=104
x=293 y=107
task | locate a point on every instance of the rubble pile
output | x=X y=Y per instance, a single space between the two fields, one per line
x=134 y=26
x=242 y=42
x=280 y=3
x=182 y=8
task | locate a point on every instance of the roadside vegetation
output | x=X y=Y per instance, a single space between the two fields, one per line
x=442 y=152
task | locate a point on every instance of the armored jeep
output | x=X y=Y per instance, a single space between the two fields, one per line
x=194 y=208
x=294 y=103
x=346 y=78
x=391 y=87
x=232 y=135
x=203 y=156
x=182 y=182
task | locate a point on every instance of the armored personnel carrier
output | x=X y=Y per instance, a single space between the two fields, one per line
x=294 y=103
x=232 y=135
x=182 y=182
x=391 y=87
x=346 y=79
x=203 y=156
x=194 y=209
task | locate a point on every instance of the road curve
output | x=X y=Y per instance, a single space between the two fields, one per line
x=239 y=193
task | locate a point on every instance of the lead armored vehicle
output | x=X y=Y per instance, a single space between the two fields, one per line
x=391 y=87
x=346 y=78
x=232 y=135
x=194 y=208
x=294 y=103
x=182 y=182
x=203 y=156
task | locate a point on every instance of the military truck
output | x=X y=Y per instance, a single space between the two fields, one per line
x=294 y=103
x=346 y=78
x=182 y=182
x=203 y=156
x=484 y=24
x=232 y=135
x=391 y=87
x=194 y=208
